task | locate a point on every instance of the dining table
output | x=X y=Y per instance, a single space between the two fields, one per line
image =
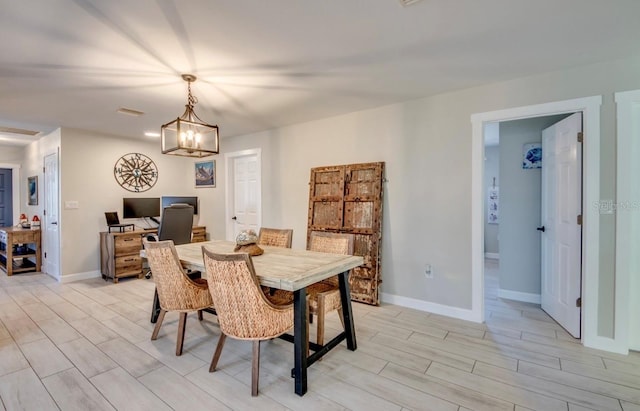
x=292 y=270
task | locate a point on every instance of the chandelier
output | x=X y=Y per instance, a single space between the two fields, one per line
x=188 y=135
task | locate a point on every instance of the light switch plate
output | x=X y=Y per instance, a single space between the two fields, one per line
x=71 y=205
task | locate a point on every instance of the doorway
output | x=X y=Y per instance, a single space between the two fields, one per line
x=51 y=229
x=590 y=107
x=6 y=197
x=11 y=218
x=243 y=192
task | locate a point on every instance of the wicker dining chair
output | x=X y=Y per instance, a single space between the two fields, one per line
x=176 y=291
x=324 y=296
x=244 y=312
x=275 y=237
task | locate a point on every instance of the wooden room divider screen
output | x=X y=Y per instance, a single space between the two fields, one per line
x=348 y=199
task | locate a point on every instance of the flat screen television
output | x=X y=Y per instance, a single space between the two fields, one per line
x=192 y=201
x=140 y=207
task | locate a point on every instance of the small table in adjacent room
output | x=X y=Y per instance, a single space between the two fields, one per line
x=19 y=250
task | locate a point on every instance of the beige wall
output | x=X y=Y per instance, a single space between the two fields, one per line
x=11 y=154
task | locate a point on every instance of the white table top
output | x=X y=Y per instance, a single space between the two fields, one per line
x=284 y=268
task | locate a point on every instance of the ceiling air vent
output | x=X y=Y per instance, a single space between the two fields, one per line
x=130 y=112
x=406 y=3
x=21 y=131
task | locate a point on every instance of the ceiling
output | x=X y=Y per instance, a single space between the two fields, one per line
x=266 y=64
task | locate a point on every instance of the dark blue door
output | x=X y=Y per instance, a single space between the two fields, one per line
x=6 y=197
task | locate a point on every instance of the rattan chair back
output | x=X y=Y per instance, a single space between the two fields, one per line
x=275 y=237
x=243 y=311
x=335 y=243
x=176 y=291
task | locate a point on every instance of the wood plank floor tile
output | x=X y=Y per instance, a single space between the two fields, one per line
x=130 y=357
x=467 y=351
x=124 y=392
x=562 y=353
x=23 y=330
x=391 y=390
x=506 y=350
x=68 y=311
x=11 y=357
x=72 y=391
x=627 y=406
x=164 y=350
x=562 y=392
x=613 y=376
x=58 y=330
x=178 y=392
x=23 y=390
x=445 y=390
x=621 y=366
x=38 y=311
x=233 y=393
x=127 y=329
x=500 y=390
x=93 y=330
x=45 y=358
x=87 y=357
x=427 y=352
x=578 y=381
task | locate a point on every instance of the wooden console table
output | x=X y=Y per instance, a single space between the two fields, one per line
x=25 y=256
x=120 y=252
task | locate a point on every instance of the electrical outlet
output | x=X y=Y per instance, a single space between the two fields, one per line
x=428 y=271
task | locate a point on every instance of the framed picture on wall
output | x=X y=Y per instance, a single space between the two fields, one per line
x=32 y=190
x=205 y=173
x=493 y=205
x=532 y=155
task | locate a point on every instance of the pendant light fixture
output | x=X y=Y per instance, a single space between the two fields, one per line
x=188 y=135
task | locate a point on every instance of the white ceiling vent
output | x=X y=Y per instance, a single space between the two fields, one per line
x=21 y=131
x=130 y=112
x=406 y=3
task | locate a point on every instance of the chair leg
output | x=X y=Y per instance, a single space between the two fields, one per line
x=255 y=368
x=156 y=329
x=181 y=326
x=216 y=355
x=341 y=316
x=321 y=315
x=199 y=315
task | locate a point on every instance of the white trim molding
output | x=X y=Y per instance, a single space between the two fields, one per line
x=70 y=278
x=590 y=108
x=519 y=296
x=627 y=209
x=429 y=307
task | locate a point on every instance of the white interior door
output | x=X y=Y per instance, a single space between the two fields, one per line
x=562 y=235
x=51 y=228
x=244 y=187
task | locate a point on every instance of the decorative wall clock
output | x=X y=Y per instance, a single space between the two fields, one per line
x=135 y=172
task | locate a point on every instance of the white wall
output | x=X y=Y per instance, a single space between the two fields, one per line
x=11 y=154
x=426 y=144
x=86 y=171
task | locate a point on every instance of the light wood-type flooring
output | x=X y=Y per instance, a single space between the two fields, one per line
x=86 y=346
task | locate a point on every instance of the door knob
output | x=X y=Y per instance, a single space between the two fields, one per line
x=234 y=218
x=540 y=229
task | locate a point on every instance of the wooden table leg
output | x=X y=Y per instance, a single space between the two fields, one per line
x=345 y=299
x=300 y=340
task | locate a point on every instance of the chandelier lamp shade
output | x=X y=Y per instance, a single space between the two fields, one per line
x=187 y=135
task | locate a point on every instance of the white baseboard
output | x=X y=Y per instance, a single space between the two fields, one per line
x=447 y=310
x=492 y=256
x=69 y=278
x=519 y=296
